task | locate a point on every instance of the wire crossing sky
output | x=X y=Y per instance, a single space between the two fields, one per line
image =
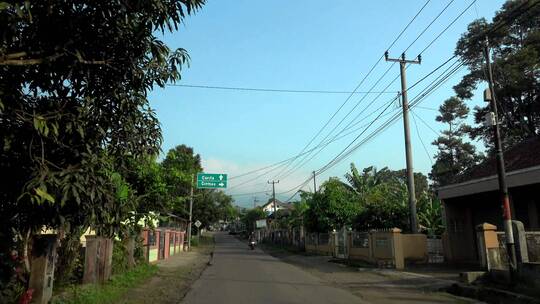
x=266 y=76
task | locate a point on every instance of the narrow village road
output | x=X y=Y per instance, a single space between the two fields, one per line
x=239 y=275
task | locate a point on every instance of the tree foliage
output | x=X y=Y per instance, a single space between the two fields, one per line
x=454 y=155
x=514 y=37
x=251 y=216
x=74 y=113
x=332 y=207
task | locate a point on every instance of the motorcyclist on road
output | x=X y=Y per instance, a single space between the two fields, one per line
x=251 y=240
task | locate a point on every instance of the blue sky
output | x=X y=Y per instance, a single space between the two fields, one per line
x=303 y=45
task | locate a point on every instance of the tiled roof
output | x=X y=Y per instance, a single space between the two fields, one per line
x=526 y=154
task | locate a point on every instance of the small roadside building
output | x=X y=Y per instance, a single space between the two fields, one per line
x=474 y=199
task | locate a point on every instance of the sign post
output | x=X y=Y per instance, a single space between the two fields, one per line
x=211 y=181
x=198 y=224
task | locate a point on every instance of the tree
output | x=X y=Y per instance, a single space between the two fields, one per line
x=371 y=177
x=454 y=156
x=251 y=216
x=332 y=207
x=211 y=205
x=514 y=37
x=180 y=167
x=73 y=107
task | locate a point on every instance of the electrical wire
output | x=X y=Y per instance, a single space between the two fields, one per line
x=426 y=124
x=420 y=138
x=358 y=86
x=428 y=26
x=270 y=90
x=447 y=27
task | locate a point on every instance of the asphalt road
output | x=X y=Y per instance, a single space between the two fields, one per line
x=239 y=275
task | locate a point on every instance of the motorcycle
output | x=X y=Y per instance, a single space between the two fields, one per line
x=252 y=245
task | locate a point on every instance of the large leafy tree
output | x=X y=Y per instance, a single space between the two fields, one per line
x=332 y=207
x=454 y=154
x=180 y=167
x=514 y=36
x=74 y=78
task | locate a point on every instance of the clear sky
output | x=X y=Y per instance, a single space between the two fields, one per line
x=304 y=45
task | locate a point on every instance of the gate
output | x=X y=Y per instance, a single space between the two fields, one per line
x=435 y=250
x=341 y=243
x=162 y=244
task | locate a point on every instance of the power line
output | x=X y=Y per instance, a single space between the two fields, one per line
x=428 y=26
x=428 y=108
x=448 y=26
x=348 y=98
x=420 y=138
x=303 y=162
x=435 y=84
x=271 y=90
x=430 y=88
x=251 y=193
x=408 y=24
x=426 y=124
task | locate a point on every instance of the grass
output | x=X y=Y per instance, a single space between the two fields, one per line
x=110 y=292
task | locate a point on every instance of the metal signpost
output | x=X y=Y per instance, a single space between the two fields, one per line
x=211 y=181
x=198 y=224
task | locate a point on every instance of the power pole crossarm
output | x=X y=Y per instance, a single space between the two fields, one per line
x=408 y=149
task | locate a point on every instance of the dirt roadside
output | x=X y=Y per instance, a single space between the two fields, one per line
x=173 y=279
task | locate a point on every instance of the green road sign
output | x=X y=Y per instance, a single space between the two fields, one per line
x=211 y=181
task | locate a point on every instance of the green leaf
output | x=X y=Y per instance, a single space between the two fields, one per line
x=42 y=193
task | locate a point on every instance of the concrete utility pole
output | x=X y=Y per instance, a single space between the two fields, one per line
x=190 y=213
x=408 y=150
x=314 y=183
x=274 y=194
x=255 y=200
x=501 y=171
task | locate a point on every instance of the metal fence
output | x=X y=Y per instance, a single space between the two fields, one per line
x=311 y=239
x=360 y=239
x=435 y=250
x=324 y=239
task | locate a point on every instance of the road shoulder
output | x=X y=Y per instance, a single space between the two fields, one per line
x=372 y=284
x=173 y=279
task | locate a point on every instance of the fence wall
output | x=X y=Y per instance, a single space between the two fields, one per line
x=162 y=243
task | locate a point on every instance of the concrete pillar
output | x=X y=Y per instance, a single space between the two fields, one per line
x=42 y=271
x=397 y=248
x=522 y=255
x=487 y=239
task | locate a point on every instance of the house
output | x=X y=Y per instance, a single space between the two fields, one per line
x=474 y=199
x=269 y=207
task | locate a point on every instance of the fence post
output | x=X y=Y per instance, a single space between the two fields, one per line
x=397 y=245
x=487 y=239
x=42 y=271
